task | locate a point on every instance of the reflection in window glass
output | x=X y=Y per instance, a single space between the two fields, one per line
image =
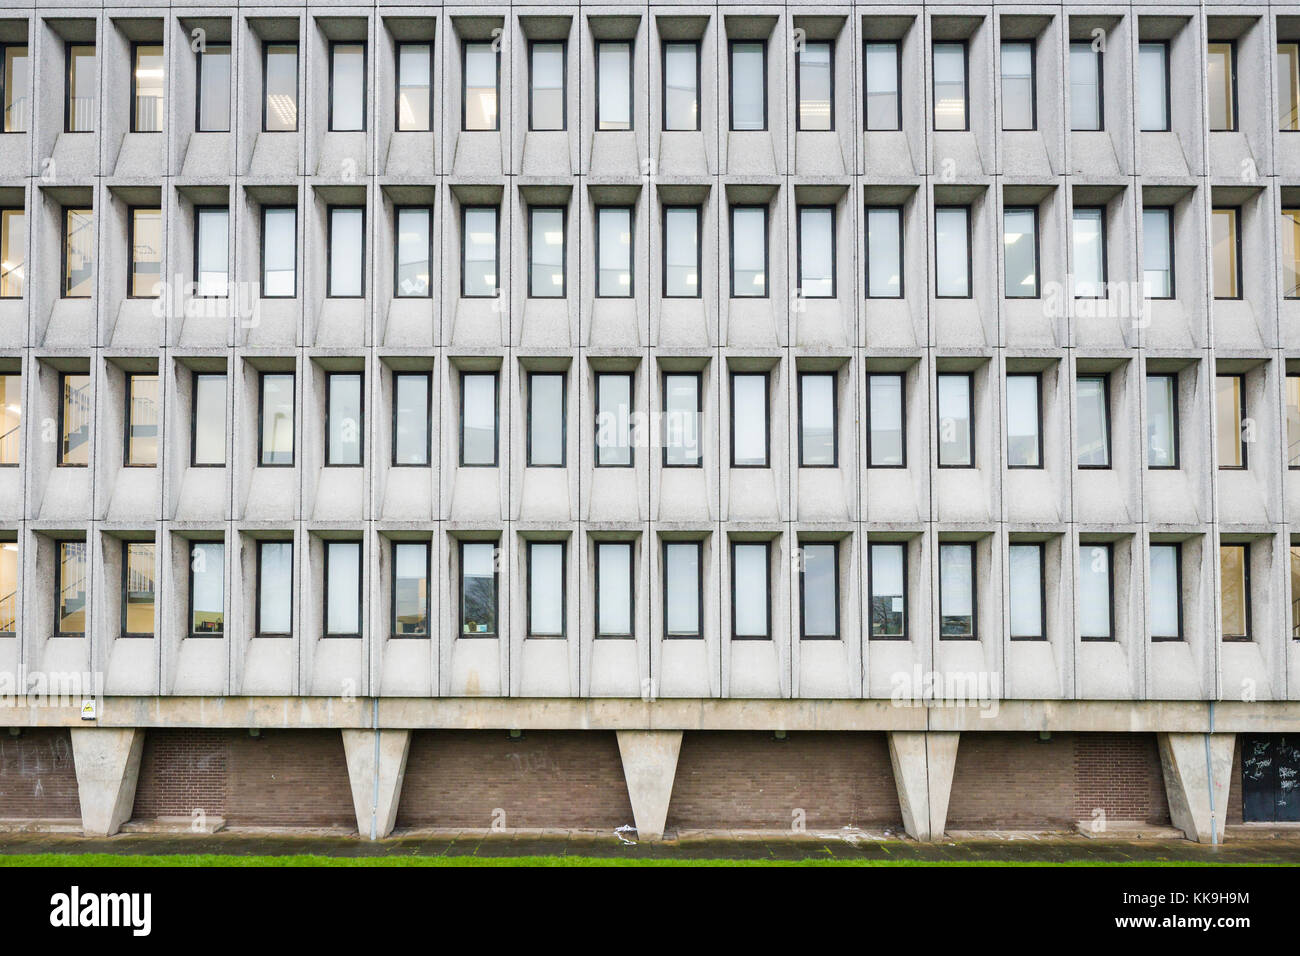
x=147 y=89
x=881 y=69
x=1025 y=591
x=1024 y=441
x=749 y=420
x=817 y=420
x=11 y=418
x=1162 y=421
x=139 y=588
x=1089 y=253
x=613 y=419
x=212 y=259
x=682 y=420
x=546 y=108
x=70 y=587
x=209 y=419
x=748 y=86
x=613 y=589
x=819 y=590
x=1221 y=81
x=17 y=81
x=275 y=587
x=8 y=587
x=80 y=107
x=1157 y=253
x=1085 y=86
x=1018 y=85
x=1292 y=421
x=1020 y=240
x=1094 y=421
x=751 y=590
x=414 y=101
x=13 y=252
x=545 y=419
x=1289 y=230
x=1234 y=591
x=1225 y=245
x=348 y=87
x=481 y=78
x=1094 y=592
x=950 y=86
x=884 y=253
x=1288 y=86
x=955 y=421
x=213 y=113
x=546 y=253
x=1229 y=415
x=413 y=245
x=479 y=251
x=748 y=251
x=817 y=252
x=478 y=431
x=888 y=575
x=410 y=589
x=142 y=399
x=78 y=253
x=277 y=419
x=682 y=589
x=280 y=108
x=614 y=86
x=952 y=252
x=956 y=591
x=146 y=252
x=545 y=589
x=885 y=420
x=1153 y=86
x=815 y=90
x=75 y=419
x=347 y=252
x=1166 y=617
x=207 y=588
x=614 y=252
x=478 y=594
x=279 y=251
x=681 y=252
x=411 y=418
x=343 y=412
x=343 y=587
x=681 y=86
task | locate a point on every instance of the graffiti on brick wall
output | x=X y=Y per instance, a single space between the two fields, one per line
x=37 y=776
x=26 y=756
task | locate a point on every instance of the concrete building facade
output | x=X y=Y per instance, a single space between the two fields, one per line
x=689 y=415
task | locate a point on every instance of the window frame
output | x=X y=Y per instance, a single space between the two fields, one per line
x=326 y=545
x=1038 y=418
x=261 y=418
x=361 y=441
x=798 y=225
x=964 y=43
x=1293 y=459
x=767 y=634
x=1111 y=636
x=1103 y=235
x=631 y=85
x=67 y=83
x=798 y=93
x=970 y=256
x=67 y=212
x=1174 y=424
x=866 y=248
x=194 y=272
x=765 y=374
x=698 y=544
x=1241 y=438
x=198 y=85
x=428 y=419
x=698 y=375
x=767 y=252
x=397 y=85
x=1294 y=92
x=464 y=91
x=496 y=418
x=563 y=545
x=58 y=586
x=496 y=590
x=834 y=545
x=17 y=374
x=598 y=634
x=62 y=424
x=564 y=84
x=22 y=213
x=1101 y=88
x=365 y=84
x=631 y=249
x=127 y=423
x=663 y=85
x=262 y=250
x=195 y=375
x=630 y=375
x=1234 y=104
x=563 y=376
x=135 y=67
x=130 y=250
x=834 y=376
x=564 y=251
x=1038 y=269
x=428 y=583
x=1173 y=251
x=257 y=609
x=1178 y=594
x=698 y=209
x=1249 y=636
x=898 y=86
x=731 y=86
x=1239 y=278
x=902 y=416
x=4 y=90
x=1169 y=113
x=189 y=623
x=1032 y=43
x=330 y=210
x=297 y=83
x=1042 y=591
x=970 y=419
x=871 y=591
x=123 y=630
x=398 y=210
x=1107 y=421
x=464 y=248
x=974 y=634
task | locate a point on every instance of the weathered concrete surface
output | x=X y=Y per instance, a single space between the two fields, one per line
x=376 y=783
x=649 y=765
x=923 y=765
x=1198 y=771
x=107 y=762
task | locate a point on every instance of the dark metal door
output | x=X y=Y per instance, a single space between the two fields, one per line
x=1270 y=778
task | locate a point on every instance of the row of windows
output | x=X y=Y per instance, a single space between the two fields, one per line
x=547 y=257
x=751 y=565
x=619 y=430
x=548 y=78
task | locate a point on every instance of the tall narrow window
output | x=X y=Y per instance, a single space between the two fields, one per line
x=817 y=252
x=1234 y=591
x=614 y=252
x=1225 y=251
x=952 y=263
x=1289 y=230
x=888 y=576
x=546 y=252
x=682 y=589
x=275 y=589
x=410 y=589
x=748 y=85
x=546 y=106
x=478 y=419
x=1093 y=410
x=142 y=413
x=478 y=247
x=884 y=252
x=613 y=419
x=78 y=253
x=145 y=242
x=481 y=82
x=1292 y=423
x=347 y=87
x=957 y=591
x=1019 y=111
x=1089 y=252
x=70 y=589
x=751 y=591
x=11 y=420
x=280 y=82
x=681 y=424
x=414 y=245
x=208 y=446
x=1153 y=86
x=279 y=252
x=411 y=395
x=950 y=103
x=1229 y=416
x=1025 y=592
x=819 y=590
x=681 y=86
x=75 y=417
x=1020 y=242
x=147 y=88
x=212 y=106
x=546 y=429
x=1166 y=592
x=1085 y=86
x=1221 y=81
x=886 y=446
x=614 y=85
x=139 y=589
x=15 y=95
x=818 y=420
x=478 y=589
x=1162 y=421
x=749 y=420
x=275 y=436
x=1024 y=421
x=80 y=106
x=414 y=87
x=748 y=251
x=347 y=251
x=1158 y=252
x=815 y=81
x=13 y=252
x=613 y=589
x=207 y=589
x=1096 y=613
x=1288 y=86
x=9 y=587
x=546 y=589
x=212 y=250
x=344 y=421
x=956 y=420
x=342 y=588
x=1295 y=593
x=682 y=252
x=882 y=73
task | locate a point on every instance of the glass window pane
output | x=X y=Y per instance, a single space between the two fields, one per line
x=1230 y=412
x=1225 y=246
x=1025 y=590
x=682 y=420
x=146 y=251
x=481 y=79
x=343 y=585
x=479 y=247
x=885 y=420
x=1023 y=439
x=1288 y=86
x=280 y=110
x=614 y=249
x=952 y=252
x=148 y=78
x=882 y=70
x=546 y=589
x=78 y=253
x=1018 y=85
x=884 y=253
x=478 y=598
x=279 y=252
x=74 y=447
x=17 y=89
x=1289 y=230
x=72 y=587
x=345 y=421
x=411 y=418
x=956 y=590
x=682 y=589
x=348 y=93
x=410 y=589
x=955 y=421
x=214 y=89
x=478 y=437
x=277 y=419
x=817 y=420
x=1094 y=591
x=1234 y=590
x=1157 y=253
x=1020 y=240
x=8 y=587
x=681 y=86
x=816 y=252
x=613 y=419
x=210 y=419
x=413 y=245
x=13 y=252
x=888 y=590
x=139 y=592
x=547 y=105
x=950 y=86
x=1153 y=92
x=11 y=418
x=142 y=420
x=749 y=420
x=275 y=587
x=748 y=86
x=815 y=87
x=821 y=613
x=1165 y=597
x=681 y=251
x=414 y=102
x=748 y=251
x=614 y=589
x=545 y=419
x=750 y=588
x=347 y=252
x=212 y=263
x=614 y=102
x=1292 y=421
x=1089 y=253
x=546 y=260
x=1221 y=80
x=1094 y=422
x=1162 y=421
x=81 y=88
x=207 y=588
x=1085 y=87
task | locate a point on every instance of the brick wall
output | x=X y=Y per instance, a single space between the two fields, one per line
x=37 y=776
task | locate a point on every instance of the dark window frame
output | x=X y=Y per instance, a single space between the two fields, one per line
x=1032 y=43
x=330 y=210
x=630 y=375
x=297 y=83
x=564 y=590
x=767 y=251
x=803 y=597
x=194 y=272
x=58 y=586
x=365 y=85
x=1232 y=80
x=257 y=610
x=428 y=419
x=262 y=250
x=1293 y=458
x=464 y=248
x=63 y=252
x=564 y=84
x=67 y=83
x=631 y=85
x=631 y=591
x=699 y=249
x=1173 y=250
x=731 y=86
x=465 y=43
x=1178 y=593
x=62 y=400
x=1169 y=113
x=1241 y=395
x=261 y=418
x=326 y=545
x=1105 y=249
x=834 y=376
x=964 y=43
x=1038 y=419
x=663 y=84
x=392 y=602
x=1174 y=425
x=1108 y=421
x=799 y=211
x=871 y=592
x=496 y=591
x=4 y=91
x=1038 y=269
x=970 y=420
x=398 y=211
x=767 y=593
x=1042 y=591
x=198 y=85
x=130 y=247
x=129 y=380
x=397 y=85
x=496 y=419
x=123 y=630
x=564 y=419
x=698 y=375
x=1239 y=280
x=1101 y=89
x=970 y=253
x=798 y=93
x=135 y=68
x=866 y=248
x=765 y=374
x=902 y=417
x=329 y=408
x=974 y=634
x=1249 y=636
x=195 y=375
x=1110 y=637
x=631 y=249
x=564 y=250
x=189 y=624
x=698 y=544
x=898 y=85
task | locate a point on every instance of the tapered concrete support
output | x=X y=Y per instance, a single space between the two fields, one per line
x=1197 y=777
x=649 y=766
x=923 y=764
x=107 y=761
x=376 y=766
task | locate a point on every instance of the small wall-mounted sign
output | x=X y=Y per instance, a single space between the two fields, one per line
x=87 y=710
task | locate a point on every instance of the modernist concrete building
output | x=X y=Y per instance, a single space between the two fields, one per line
x=758 y=415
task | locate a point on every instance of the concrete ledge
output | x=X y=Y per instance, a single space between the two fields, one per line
x=175 y=825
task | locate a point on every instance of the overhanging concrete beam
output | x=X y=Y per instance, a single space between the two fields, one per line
x=923 y=764
x=649 y=766
x=1198 y=772
x=376 y=766
x=107 y=761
